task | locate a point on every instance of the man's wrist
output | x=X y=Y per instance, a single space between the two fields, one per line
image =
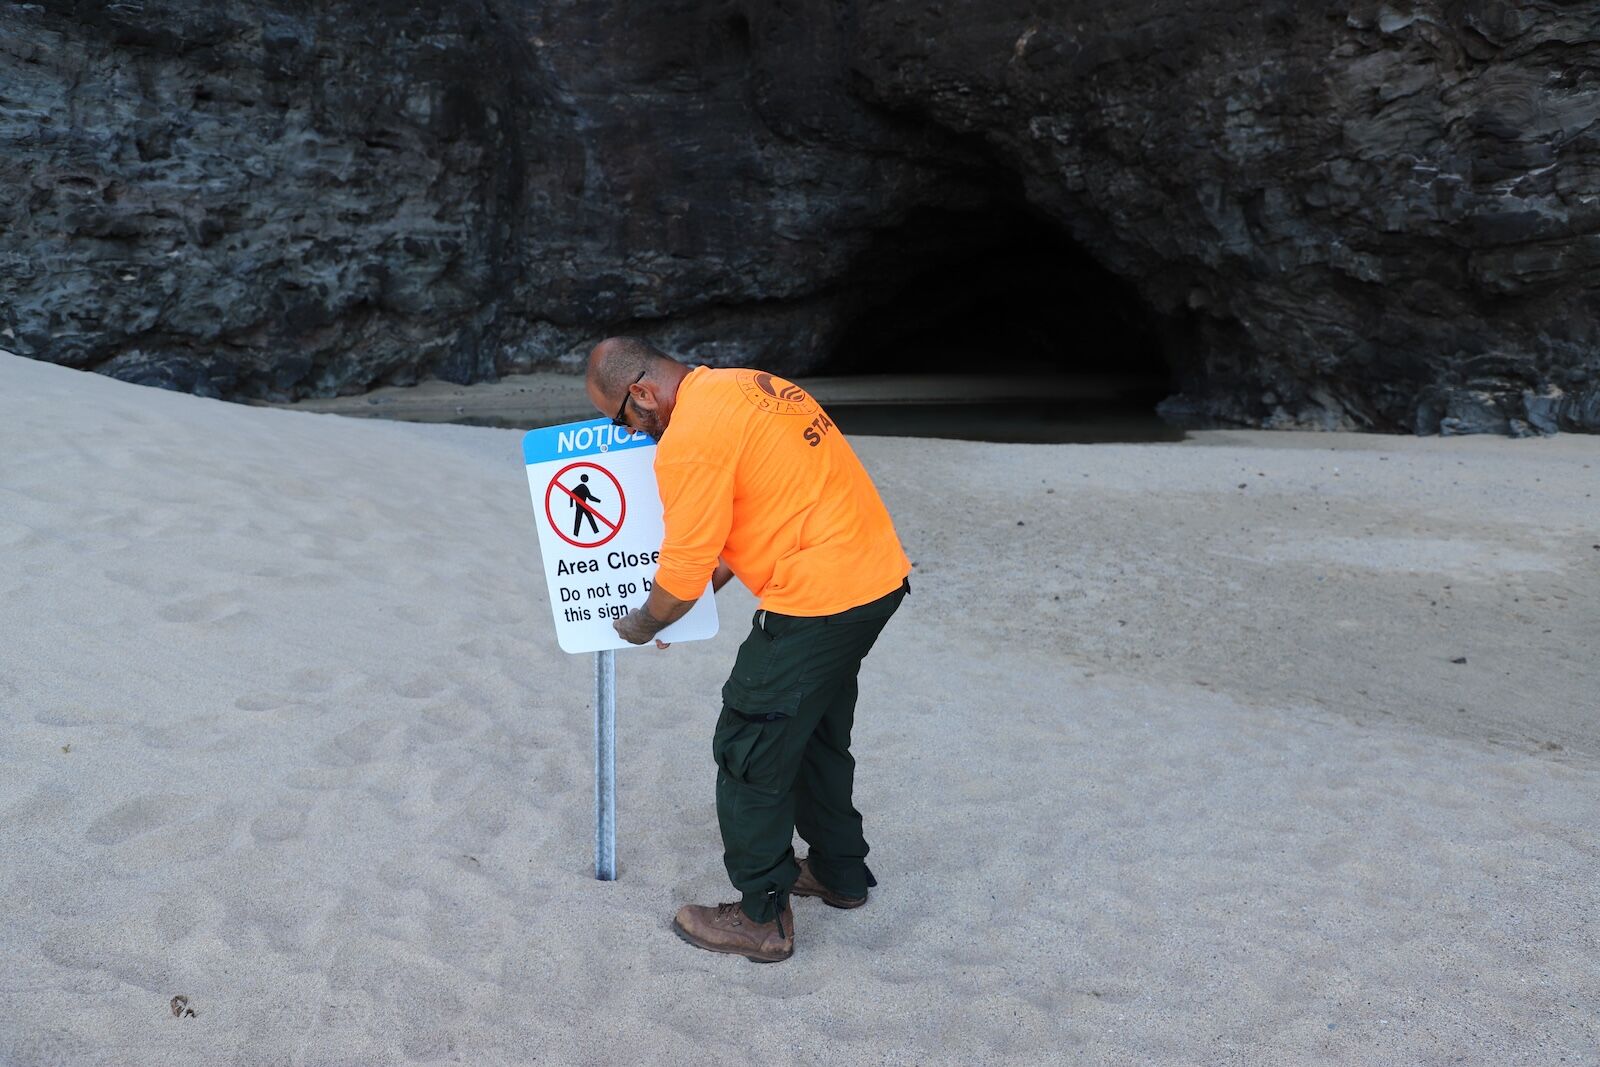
x=646 y=621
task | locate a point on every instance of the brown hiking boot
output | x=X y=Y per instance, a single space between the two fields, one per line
x=726 y=928
x=808 y=886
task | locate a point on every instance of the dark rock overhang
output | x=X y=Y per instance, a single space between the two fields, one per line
x=1368 y=216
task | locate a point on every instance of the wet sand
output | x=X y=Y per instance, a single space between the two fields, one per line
x=1036 y=408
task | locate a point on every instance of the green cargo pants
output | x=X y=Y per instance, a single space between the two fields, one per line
x=782 y=747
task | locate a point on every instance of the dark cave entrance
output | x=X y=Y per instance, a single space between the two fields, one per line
x=1010 y=330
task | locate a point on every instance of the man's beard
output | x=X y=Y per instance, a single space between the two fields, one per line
x=650 y=423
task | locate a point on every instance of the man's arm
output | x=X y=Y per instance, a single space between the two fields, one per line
x=697 y=513
x=663 y=609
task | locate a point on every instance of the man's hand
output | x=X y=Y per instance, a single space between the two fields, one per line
x=638 y=626
x=661 y=610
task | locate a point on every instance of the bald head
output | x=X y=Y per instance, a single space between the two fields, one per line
x=633 y=376
x=617 y=361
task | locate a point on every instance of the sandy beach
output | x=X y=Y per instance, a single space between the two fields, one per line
x=1257 y=748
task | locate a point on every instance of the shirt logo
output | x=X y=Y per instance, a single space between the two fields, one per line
x=774 y=395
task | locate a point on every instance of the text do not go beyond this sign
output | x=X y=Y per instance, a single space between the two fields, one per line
x=599 y=519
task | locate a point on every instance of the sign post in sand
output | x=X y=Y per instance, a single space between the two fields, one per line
x=599 y=520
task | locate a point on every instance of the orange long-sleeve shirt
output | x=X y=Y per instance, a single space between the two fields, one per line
x=752 y=470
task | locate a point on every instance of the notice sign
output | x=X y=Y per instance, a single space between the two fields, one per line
x=599 y=519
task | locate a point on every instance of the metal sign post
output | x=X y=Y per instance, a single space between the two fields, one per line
x=605 y=765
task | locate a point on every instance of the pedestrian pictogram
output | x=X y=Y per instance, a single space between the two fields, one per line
x=585 y=495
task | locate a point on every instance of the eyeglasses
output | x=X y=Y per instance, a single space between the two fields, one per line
x=619 y=418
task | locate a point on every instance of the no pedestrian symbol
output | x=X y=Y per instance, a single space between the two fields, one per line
x=585 y=505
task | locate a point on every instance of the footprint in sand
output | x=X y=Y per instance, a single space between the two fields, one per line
x=359 y=744
x=141 y=582
x=1329 y=856
x=1108 y=994
x=138 y=816
x=15 y=535
x=80 y=716
x=314 y=680
x=477 y=648
x=212 y=608
x=262 y=702
x=280 y=824
x=420 y=688
x=445 y=723
x=416 y=616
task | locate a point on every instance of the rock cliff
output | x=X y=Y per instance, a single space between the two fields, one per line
x=1357 y=215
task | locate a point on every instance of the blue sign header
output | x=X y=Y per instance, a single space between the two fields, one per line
x=575 y=440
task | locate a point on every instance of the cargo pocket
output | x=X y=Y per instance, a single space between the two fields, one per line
x=752 y=741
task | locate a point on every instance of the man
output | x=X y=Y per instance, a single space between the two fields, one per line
x=756 y=482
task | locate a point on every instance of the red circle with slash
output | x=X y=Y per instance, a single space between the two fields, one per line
x=613 y=528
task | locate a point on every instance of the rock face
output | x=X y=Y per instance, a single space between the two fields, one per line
x=1359 y=215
